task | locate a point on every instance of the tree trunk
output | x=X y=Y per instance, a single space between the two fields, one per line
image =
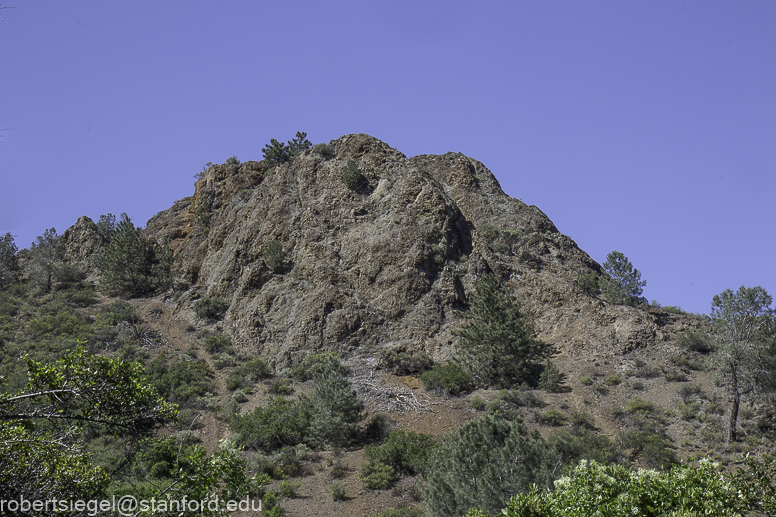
x=736 y=402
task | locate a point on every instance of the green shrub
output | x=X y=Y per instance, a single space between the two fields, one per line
x=377 y=476
x=407 y=453
x=553 y=417
x=588 y=284
x=232 y=160
x=477 y=402
x=179 y=381
x=217 y=342
x=585 y=445
x=489 y=232
x=316 y=364
x=637 y=404
x=586 y=380
x=612 y=380
x=697 y=341
x=211 y=308
x=403 y=363
x=281 y=387
x=324 y=150
x=282 y=422
x=618 y=491
x=676 y=377
x=274 y=256
x=338 y=491
x=450 y=378
x=352 y=176
x=379 y=427
x=246 y=374
x=288 y=489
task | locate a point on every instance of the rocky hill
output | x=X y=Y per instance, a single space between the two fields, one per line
x=389 y=264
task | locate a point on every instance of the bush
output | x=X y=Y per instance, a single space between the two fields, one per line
x=180 y=381
x=211 y=308
x=450 y=378
x=246 y=374
x=217 y=342
x=553 y=417
x=324 y=150
x=618 y=491
x=316 y=364
x=377 y=476
x=352 y=176
x=281 y=387
x=698 y=341
x=282 y=422
x=477 y=402
x=588 y=284
x=232 y=160
x=612 y=380
x=288 y=489
x=407 y=453
x=489 y=232
x=338 y=491
x=405 y=364
x=274 y=257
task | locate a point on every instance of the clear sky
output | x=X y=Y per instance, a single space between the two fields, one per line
x=643 y=127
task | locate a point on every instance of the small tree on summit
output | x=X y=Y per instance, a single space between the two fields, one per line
x=496 y=346
x=276 y=153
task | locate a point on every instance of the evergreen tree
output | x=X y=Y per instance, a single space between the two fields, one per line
x=624 y=285
x=9 y=265
x=336 y=410
x=486 y=462
x=46 y=256
x=496 y=345
x=132 y=265
x=743 y=345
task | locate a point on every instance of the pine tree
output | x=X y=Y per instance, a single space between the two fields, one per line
x=484 y=463
x=9 y=265
x=336 y=410
x=132 y=265
x=624 y=284
x=496 y=345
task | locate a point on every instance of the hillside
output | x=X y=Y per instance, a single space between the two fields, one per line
x=391 y=265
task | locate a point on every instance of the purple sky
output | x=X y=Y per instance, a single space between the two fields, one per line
x=643 y=127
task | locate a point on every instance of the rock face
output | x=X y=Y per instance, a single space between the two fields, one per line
x=81 y=242
x=388 y=265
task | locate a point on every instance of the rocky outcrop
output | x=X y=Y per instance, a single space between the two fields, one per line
x=391 y=264
x=80 y=243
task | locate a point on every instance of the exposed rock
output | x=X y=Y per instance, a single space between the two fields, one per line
x=81 y=243
x=390 y=264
